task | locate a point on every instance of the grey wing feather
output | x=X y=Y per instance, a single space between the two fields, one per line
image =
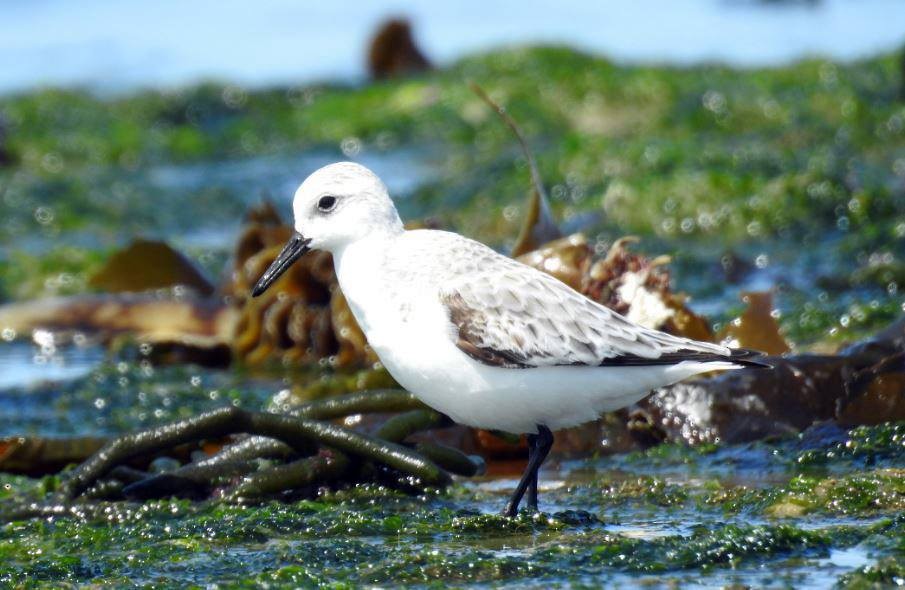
x=516 y=316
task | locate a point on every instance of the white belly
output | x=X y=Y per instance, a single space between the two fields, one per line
x=423 y=358
x=517 y=400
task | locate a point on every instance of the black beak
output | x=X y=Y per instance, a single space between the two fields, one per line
x=292 y=251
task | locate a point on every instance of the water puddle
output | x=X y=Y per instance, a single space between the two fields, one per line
x=848 y=558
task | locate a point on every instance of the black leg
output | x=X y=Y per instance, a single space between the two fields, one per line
x=542 y=446
x=532 y=485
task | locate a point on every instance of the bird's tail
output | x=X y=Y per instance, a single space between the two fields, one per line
x=749 y=358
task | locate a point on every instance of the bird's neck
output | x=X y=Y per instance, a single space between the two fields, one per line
x=359 y=267
x=361 y=260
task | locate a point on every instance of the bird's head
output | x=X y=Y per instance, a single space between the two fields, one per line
x=337 y=205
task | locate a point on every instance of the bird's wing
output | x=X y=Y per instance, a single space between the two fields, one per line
x=515 y=316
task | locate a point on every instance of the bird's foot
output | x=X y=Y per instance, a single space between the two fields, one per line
x=510 y=511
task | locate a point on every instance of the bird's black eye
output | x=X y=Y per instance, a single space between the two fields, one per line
x=326 y=203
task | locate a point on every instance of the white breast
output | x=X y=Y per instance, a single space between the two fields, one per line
x=407 y=326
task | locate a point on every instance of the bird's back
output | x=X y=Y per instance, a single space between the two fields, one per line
x=507 y=314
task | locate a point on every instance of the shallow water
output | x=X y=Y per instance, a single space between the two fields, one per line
x=112 y=397
x=23 y=365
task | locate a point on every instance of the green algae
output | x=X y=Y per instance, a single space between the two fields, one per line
x=888 y=572
x=864 y=444
x=803 y=158
x=63 y=270
x=861 y=493
x=121 y=396
x=405 y=542
x=705 y=548
x=618 y=526
x=719 y=135
x=823 y=446
x=855 y=494
x=671 y=513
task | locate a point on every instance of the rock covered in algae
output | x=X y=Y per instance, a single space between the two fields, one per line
x=864 y=384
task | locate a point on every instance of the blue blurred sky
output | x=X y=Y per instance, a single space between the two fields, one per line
x=115 y=46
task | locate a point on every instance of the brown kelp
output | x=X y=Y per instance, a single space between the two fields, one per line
x=304 y=318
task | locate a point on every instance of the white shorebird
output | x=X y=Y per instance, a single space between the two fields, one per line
x=482 y=338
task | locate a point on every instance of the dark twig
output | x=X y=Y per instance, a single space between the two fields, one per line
x=539 y=226
x=536 y=179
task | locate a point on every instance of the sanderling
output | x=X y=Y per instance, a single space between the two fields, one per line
x=480 y=337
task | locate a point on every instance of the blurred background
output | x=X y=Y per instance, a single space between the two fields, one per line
x=145 y=147
x=730 y=170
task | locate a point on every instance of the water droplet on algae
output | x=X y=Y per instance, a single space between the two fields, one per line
x=350 y=146
x=762 y=261
x=234 y=96
x=52 y=162
x=714 y=101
